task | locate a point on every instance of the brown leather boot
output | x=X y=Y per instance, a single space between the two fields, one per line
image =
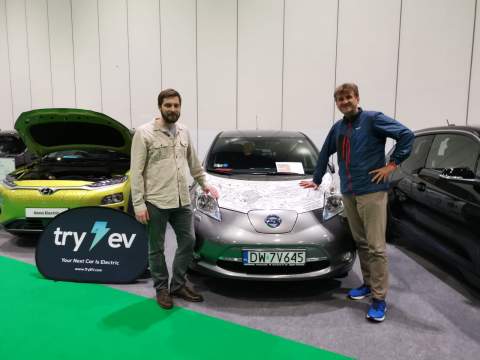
x=187 y=294
x=164 y=299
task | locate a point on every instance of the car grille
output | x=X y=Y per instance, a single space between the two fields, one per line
x=273 y=270
x=26 y=225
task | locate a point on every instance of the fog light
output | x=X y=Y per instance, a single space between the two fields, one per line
x=347 y=256
x=112 y=199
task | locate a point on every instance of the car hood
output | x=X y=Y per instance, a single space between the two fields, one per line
x=49 y=130
x=246 y=195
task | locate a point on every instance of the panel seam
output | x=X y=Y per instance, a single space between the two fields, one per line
x=282 y=125
x=73 y=56
x=99 y=57
x=28 y=55
x=471 y=62
x=49 y=53
x=398 y=59
x=9 y=64
x=129 y=65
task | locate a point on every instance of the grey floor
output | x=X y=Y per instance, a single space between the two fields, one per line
x=432 y=313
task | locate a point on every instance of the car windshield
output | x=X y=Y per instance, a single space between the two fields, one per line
x=262 y=155
x=82 y=155
x=10 y=145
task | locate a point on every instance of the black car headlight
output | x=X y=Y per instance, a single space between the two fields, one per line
x=113 y=181
x=112 y=199
x=333 y=205
x=9 y=181
x=208 y=205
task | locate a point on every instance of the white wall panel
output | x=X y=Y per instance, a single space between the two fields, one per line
x=114 y=59
x=216 y=69
x=178 y=31
x=368 y=51
x=260 y=59
x=145 y=66
x=309 y=73
x=61 y=50
x=39 y=52
x=87 y=54
x=19 y=61
x=435 y=49
x=6 y=118
x=474 y=102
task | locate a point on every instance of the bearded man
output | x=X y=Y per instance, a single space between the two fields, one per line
x=161 y=153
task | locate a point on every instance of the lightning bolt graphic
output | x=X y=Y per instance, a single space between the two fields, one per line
x=100 y=230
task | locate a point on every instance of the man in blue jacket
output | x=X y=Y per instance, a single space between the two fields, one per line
x=359 y=141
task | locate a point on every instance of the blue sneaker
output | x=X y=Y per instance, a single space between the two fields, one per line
x=377 y=310
x=360 y=292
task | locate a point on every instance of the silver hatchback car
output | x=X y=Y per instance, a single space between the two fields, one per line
x=264 y=225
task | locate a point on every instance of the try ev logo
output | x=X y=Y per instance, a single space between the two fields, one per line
x=99 y=229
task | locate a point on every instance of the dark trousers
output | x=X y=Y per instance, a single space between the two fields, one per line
x=181 y=220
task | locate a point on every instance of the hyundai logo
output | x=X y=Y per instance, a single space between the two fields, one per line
x=46 y=191
x=273 y=221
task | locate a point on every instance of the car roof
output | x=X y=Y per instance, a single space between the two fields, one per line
x=265 y=133
x=474 y=130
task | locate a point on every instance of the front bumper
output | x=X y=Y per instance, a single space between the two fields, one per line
x=330 y=250
x=14 y=202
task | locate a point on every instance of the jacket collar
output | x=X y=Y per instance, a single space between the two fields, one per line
x=353 y=118
x=159 y=125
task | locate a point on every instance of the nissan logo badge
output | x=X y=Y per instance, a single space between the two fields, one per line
x=273 y=221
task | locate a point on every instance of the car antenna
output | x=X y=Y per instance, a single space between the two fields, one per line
x=256 y=122
x=448 y=123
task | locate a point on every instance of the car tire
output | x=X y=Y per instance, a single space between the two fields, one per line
x=390 y=234
x=130 y=210
x=341 y=276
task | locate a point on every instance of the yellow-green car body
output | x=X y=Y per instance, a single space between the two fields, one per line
x=83 y=161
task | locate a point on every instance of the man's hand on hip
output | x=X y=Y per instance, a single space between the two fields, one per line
x=380 y=175
x=142 y=216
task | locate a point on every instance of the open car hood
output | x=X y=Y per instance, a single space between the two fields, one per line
x=49 y=130
x=247 y=195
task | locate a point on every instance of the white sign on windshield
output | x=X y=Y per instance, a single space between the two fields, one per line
x=290 y=167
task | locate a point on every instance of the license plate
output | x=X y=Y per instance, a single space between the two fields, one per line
x=43 y=212
x=274 y=257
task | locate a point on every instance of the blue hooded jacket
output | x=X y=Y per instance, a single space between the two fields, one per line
x=360 y=146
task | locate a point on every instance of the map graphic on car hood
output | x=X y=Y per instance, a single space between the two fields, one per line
x=246 y=195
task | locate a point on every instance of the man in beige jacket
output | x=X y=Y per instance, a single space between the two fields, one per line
x=161 y=152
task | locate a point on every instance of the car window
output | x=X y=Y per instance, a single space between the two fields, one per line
x=254 y=154
x=453 y=151
x=478 y=167
x=420 y=148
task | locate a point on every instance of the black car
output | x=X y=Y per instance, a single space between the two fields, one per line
x=12 y=146
x=435 y=197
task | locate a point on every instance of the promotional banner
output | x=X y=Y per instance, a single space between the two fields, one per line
x=92 y=244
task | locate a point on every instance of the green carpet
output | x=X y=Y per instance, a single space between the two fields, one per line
x=43 y=319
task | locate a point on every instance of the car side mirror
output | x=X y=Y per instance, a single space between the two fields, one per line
x=460 y=175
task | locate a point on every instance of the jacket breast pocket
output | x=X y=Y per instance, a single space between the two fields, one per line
x=160 y=151
x=182 y=147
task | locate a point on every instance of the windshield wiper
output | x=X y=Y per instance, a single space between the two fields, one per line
x=273 y=173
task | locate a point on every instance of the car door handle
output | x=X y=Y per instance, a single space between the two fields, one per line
x=421 y=186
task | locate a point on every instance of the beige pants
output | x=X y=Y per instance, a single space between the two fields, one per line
x=367 y=217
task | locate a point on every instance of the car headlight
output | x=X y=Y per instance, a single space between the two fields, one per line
x=109 y=182
x=333 y=205
x=207 y=205
x=9 y=181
